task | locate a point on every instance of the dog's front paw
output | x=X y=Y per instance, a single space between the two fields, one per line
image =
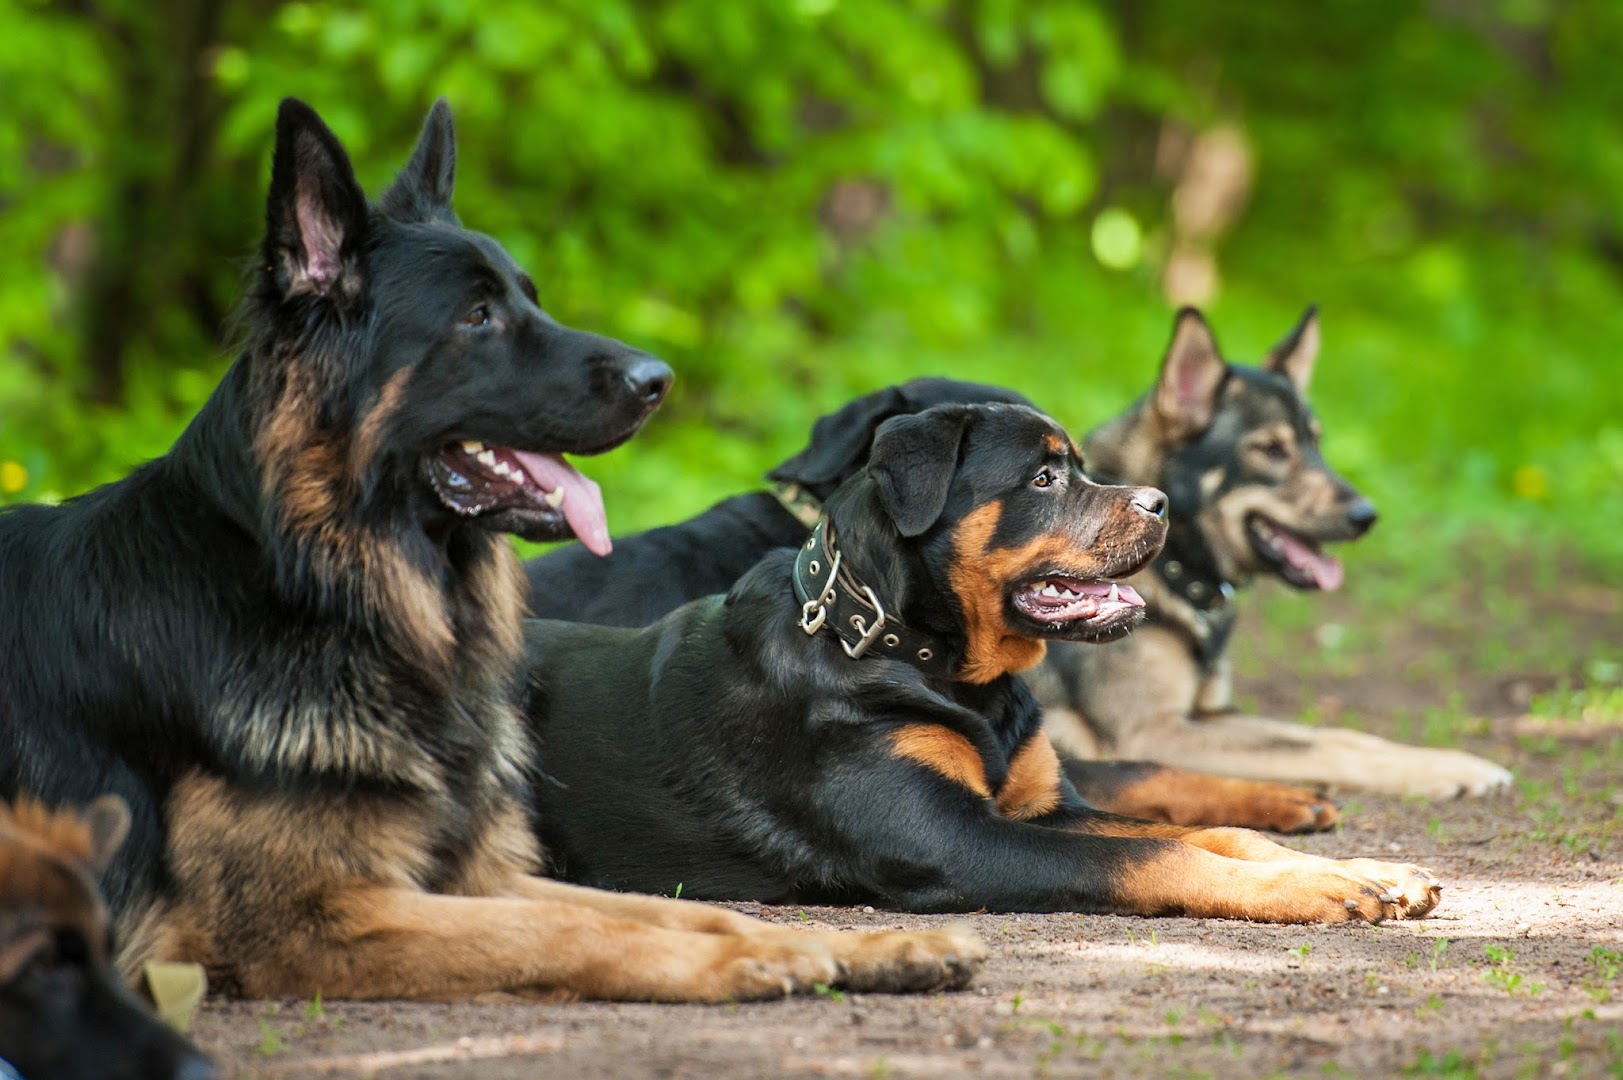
x=1442 y=774
x=909 y=961
x=1409 y=891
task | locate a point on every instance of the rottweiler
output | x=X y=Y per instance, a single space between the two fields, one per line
x=847 y=724
x=64 y=1014
x=650 y=574
x=294 y=644
x=1236 y=448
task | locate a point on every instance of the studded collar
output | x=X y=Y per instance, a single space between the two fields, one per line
x=832 y=597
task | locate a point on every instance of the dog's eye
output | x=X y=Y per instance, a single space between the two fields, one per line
x=1274 y=450
x=1042 y=479
x=479 y=316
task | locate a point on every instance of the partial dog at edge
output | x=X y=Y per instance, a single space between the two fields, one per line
x=293 y=643
x=64 y=1013
x=1236 y=449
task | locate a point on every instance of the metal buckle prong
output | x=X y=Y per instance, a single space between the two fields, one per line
x=869 y=634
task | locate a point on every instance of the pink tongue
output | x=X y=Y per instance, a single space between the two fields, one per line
x=1325 y=570
x=583 y=501
x=1101 y=590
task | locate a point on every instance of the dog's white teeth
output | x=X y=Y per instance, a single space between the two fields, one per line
x=554 y=499
x=1115 y=593
x=487 y=458
x=472 y=446
x=1050 y=590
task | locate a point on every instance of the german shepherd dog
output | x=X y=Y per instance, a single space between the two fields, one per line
x=64 y=1014
x=846 y=724
x=293 y=644
x=1237 y=450
x=650 y=574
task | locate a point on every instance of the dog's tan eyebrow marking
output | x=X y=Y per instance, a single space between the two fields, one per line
x=1055 y=444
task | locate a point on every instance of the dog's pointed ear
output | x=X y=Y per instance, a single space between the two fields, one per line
x=422 y=191
x=1192 y=374
x=315 y=217
x=840 y=441
x=108 y=819
x=1293 y=357
x=914 y=459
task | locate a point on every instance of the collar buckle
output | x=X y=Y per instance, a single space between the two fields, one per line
x=811 y=623
x=870 y=634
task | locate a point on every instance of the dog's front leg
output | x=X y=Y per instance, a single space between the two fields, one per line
x=885 y=961
x=382 y=942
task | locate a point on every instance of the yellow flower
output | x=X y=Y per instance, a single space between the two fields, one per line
x=1530 y=482
x=13 y=477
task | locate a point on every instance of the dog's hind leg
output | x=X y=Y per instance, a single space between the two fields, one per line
x=893 y=961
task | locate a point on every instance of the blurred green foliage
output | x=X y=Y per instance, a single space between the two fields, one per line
x=795 y=201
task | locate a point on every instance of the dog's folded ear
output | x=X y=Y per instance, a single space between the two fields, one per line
x=422 y=191
x=1192 y=376
x=1293 y=357
x=914 y=459
x=315 y=217
x=840 y=441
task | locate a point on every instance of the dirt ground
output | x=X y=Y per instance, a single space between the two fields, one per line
x=1519 y=971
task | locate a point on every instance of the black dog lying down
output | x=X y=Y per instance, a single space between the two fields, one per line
x=846 y=725
x=650 y=574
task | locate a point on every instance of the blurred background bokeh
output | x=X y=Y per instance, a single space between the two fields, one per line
x=794 y=201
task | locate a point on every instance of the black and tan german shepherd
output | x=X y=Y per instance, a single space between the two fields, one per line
x=1236 y=448
x=292 y=644
x=64 y=1012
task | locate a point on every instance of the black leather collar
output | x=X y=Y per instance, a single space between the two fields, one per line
x=832 y=597
x=1188 y=569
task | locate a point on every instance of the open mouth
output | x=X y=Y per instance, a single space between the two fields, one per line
x=1090 y=609
x=537 y=496
x=1297 y=559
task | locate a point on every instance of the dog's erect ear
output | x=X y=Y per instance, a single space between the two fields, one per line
x=1293 y=357
x=914 y=458
x=422 y=191
x=315 y=218
x=841 y=440
x=1191 y=376
x=108 y=819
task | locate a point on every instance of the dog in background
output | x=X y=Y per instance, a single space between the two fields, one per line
x=293 y=644
x=650 y=574
x=1236 y=448
x=64 y=1013
x=846 y=725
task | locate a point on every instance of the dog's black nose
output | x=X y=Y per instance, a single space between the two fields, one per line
x=1361 y=515
x=1150 y=501
x=648 y=379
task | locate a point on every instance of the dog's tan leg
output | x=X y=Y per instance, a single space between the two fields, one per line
x=401 y=943
x=1257 y=748
x=1170 y=719
x=887 y=960
x=1410 y=891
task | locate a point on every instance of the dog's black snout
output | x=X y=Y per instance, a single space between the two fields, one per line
x=649 y=379
x=1361 y=515
x=1150 y=501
